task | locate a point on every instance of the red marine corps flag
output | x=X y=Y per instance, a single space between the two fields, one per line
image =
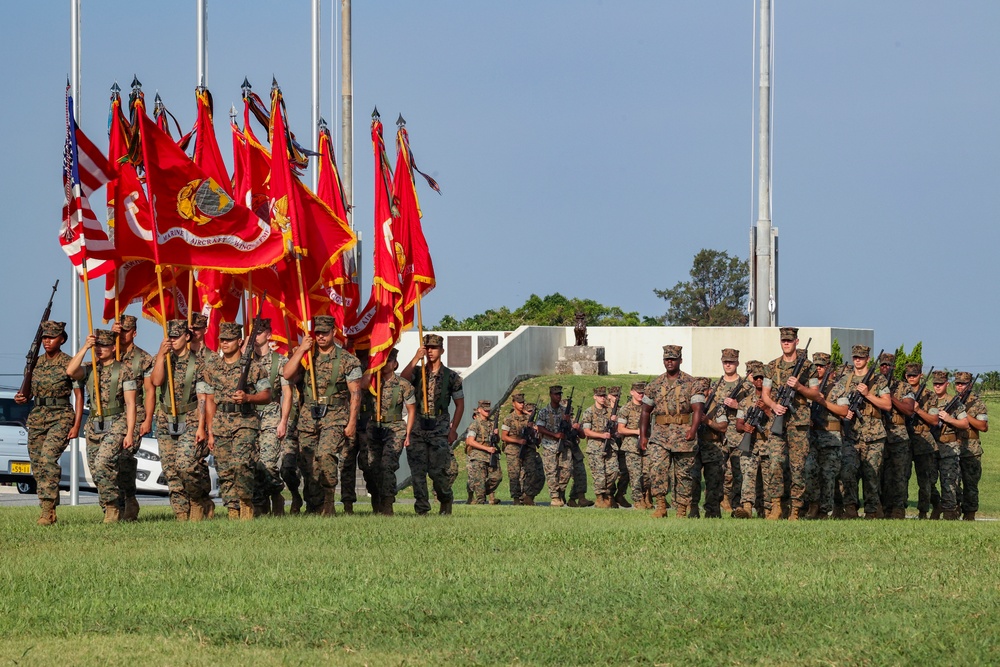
x=387 y=323
x=85 y=169
x=418 y=270
x=197 y=222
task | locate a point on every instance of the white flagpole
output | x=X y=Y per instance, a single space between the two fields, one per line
x=74 y=46
x=202 y=43
x=315 y=88
x=347 y=125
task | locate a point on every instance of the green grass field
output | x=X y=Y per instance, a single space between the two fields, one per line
x=500 y=586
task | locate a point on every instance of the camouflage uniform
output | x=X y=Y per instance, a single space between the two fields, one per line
x=384 y=439
x=294 y=466
x=140 y=364
x=182 y=457
x=430 y=452
x=235 y=427
x=672 y=400
x=713 y=446
x=898 y=459
x=971 y=453
x=322 y=442
x=825 y=439
x=925 y=457
x=268 y=481
x=524 y=468
x=49 y=422
x=755 y=464
x=635 y=459
x=104 y=450
x=866 y=434
x=949 y=452
x=789 y=453
x=556 y=457
x=480 y=482
x=603 y=469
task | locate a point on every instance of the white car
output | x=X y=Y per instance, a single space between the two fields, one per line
x=15 y=466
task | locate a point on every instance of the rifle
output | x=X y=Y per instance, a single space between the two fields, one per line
x=911 y=421
x=495 y=440
x=755 y=417
x=529 y=435
x=31 y=360
x=855 y=401
x=786 y=393
x=246 y=359
x=816 y=410
x=952 y=404
x=609 y=449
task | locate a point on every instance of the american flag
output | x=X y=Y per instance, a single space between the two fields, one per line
x=85 y=169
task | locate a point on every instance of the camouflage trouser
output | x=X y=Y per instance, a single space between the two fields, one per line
x=127 y=465
x=322 y=442
x=867 y=457
x=751 y=468
x=926 y=468
x=713 y=460
x=557 y=465
x=972 y=472
x=624 y=479
x=512 y=452
x=660 y=474
x=236 y=460
x=578 y=473
x=382 y=456
x=635 y=463
x=773 y=455
x=829 y=451
x=798 y=463
x=732 y=483
x=429 y=454
x=48 y=429
x=482 y=480
x=950 y=469
x=182 y=459
x=104 y=455
x=603 y=470
x=532 y=473
x=896 y=476
x=349 y=461
x=268 y=474
x=850 y=465
x=684 y=466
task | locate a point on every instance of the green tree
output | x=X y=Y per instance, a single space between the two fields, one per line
x=836 y=355
x=716 y=295
x=554 y=310
x=899 y=365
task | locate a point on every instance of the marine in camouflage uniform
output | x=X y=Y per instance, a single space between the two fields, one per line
x=898 y=457
x=53 y=421
x=946 y=420
x=524 y=466
x=197 y=346
x=719 y=437
x=970 y=446
x=595 y=423
x=140 y=364
x=479 y=452
x=825 y=436
x=328 y=419
x=233 y=421
x=182 y=455
x=620 y=490
x=635 y=457
x=552 y=422
x=866 y=433
x=430 y=451
x=923 y=448
x=789 y=452
x=114 y=430
x=274 y=417
x=672 y=408
x=578 y=469
x=752 y=493
x=387 y=434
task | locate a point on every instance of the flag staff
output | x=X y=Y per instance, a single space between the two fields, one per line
x=315 y=15
x=74 y=49
x=202 y=30
x=347 y=126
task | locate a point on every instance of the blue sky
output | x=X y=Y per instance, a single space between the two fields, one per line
x=586 y=147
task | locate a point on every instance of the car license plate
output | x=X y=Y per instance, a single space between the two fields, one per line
x=20 y=468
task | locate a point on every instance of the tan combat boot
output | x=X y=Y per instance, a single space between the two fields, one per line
x=969 y=516
x=527 y=500
x=851 y=511
x=726 y=506
x=556 y=501
x=329 y=508
x=234 y=513
x=277 y=504
x=661 y=507
x=445 y=507
x=582 y=501
x=683 y=512
x=813 y=511
x=599 y=501
x=744 y=511
x=131 y=510
x=774 y=513
x=493 y=499
x=182 y=516
x=197 y=512
x=246 y=510
x=48 y=515
x=796 y=513
x=111 y=514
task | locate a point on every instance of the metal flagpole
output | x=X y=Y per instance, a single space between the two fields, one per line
x=766 y=314
x=202 y=43
x=74 y=41
x=315 y=86
x=347 y=126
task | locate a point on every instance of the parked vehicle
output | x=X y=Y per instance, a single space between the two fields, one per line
x=15 y=466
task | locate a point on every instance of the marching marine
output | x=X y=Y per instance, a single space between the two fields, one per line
x=140 y=365
x=595 y=424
